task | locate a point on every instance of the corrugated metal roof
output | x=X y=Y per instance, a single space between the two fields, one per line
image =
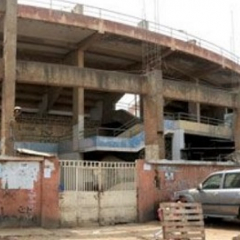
x=34 y=153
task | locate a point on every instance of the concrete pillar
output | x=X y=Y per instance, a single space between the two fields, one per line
x=195 y=109
x=108 y=108
x=153 y=104
x=50 y=212
x=178 y=143
x=236 y=122
x=78 y=106
x=141 y=106
x=236 y=129
x=9 y=79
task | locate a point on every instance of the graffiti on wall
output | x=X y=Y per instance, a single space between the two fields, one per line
x=19 y=175
x=23 y=215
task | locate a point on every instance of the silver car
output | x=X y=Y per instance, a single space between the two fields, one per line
x=219 y=194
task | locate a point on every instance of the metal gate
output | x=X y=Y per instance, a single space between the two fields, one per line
x=97 y=192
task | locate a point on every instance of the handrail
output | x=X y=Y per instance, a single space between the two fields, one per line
x=127 y=125
x=113 y=132
x=67 y=6
x=193 y=118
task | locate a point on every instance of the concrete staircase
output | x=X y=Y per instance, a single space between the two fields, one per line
x=132 y=131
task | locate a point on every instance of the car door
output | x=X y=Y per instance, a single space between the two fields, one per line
x=229 y=195
x=209 y=194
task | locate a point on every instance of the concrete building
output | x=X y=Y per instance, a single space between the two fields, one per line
x=63 y=71
x=64 y=68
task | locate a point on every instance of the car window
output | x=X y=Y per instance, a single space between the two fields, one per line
x=213 y=182
x=232 y=180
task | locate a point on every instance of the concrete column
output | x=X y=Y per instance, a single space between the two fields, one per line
x=78 y=106
x=108 y=109
x=236 y=129
x=236 y=122
x=178 y=143
x=153 y=104
x=9 y=79
x=141 y=106
x=195 y=109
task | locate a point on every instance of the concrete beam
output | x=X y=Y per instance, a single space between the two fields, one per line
x=48 y=100
x=83 y=21
x=69 y=76
x=88 y=42
x=3 y=6
x=184 y=91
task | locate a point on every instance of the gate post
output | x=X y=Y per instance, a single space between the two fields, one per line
x=50 y=193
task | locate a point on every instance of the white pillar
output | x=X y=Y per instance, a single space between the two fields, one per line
x=178 y=143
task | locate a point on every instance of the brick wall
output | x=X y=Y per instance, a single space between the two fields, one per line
x=157 y=182
x=29 y=192
x=38 y=132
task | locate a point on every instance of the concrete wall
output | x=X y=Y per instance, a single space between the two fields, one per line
x=157 y=182
x=29 y=192
x=132 y=144
x=219 y=131
x=186 y=91
x=40 y=132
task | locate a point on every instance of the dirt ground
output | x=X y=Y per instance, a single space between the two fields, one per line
x=221 y=231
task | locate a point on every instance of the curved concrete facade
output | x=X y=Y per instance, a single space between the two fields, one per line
x=72 y=68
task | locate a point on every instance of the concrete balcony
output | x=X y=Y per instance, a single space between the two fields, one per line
x=204 y=126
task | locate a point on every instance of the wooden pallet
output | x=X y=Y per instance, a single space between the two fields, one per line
x=236 y=237
x=182 y=221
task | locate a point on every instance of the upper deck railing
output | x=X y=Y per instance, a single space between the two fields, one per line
x=69 y=5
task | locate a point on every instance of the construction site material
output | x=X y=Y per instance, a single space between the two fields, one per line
x=182 y=221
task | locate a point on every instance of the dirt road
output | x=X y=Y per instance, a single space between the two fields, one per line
x=223 y=231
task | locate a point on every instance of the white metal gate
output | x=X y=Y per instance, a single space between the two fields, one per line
x=97 y=192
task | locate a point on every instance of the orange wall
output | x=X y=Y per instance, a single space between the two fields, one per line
x=157 y=182
x=28 y=193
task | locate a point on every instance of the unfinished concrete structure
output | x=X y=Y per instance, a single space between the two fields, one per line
x=66 y=68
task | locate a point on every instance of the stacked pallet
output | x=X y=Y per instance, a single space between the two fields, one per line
x=182 y=221
x=236 y=238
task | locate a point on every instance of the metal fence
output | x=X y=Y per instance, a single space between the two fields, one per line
x=193 y=118
x=70 y=6
x=97 y=176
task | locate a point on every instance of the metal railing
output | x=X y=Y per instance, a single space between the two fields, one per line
x=127 y=126
x=103 y=132
x=68 y=6
x=114 y=132
x=193 y=118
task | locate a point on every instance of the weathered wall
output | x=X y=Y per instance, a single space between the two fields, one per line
x=220 y=131
x=50 y=193
x=186 y=91
x=19 y=193
x=68 y=76
x=79 y=20
x=157 y=182
x=40 y=132
x=28 y=192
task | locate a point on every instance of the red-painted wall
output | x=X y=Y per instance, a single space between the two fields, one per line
x=29 y=192
x=157 y=182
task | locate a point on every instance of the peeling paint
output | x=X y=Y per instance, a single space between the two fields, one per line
x=19 y=175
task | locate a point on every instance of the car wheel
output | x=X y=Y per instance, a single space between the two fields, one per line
x=238 y=217
x=182 y=199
